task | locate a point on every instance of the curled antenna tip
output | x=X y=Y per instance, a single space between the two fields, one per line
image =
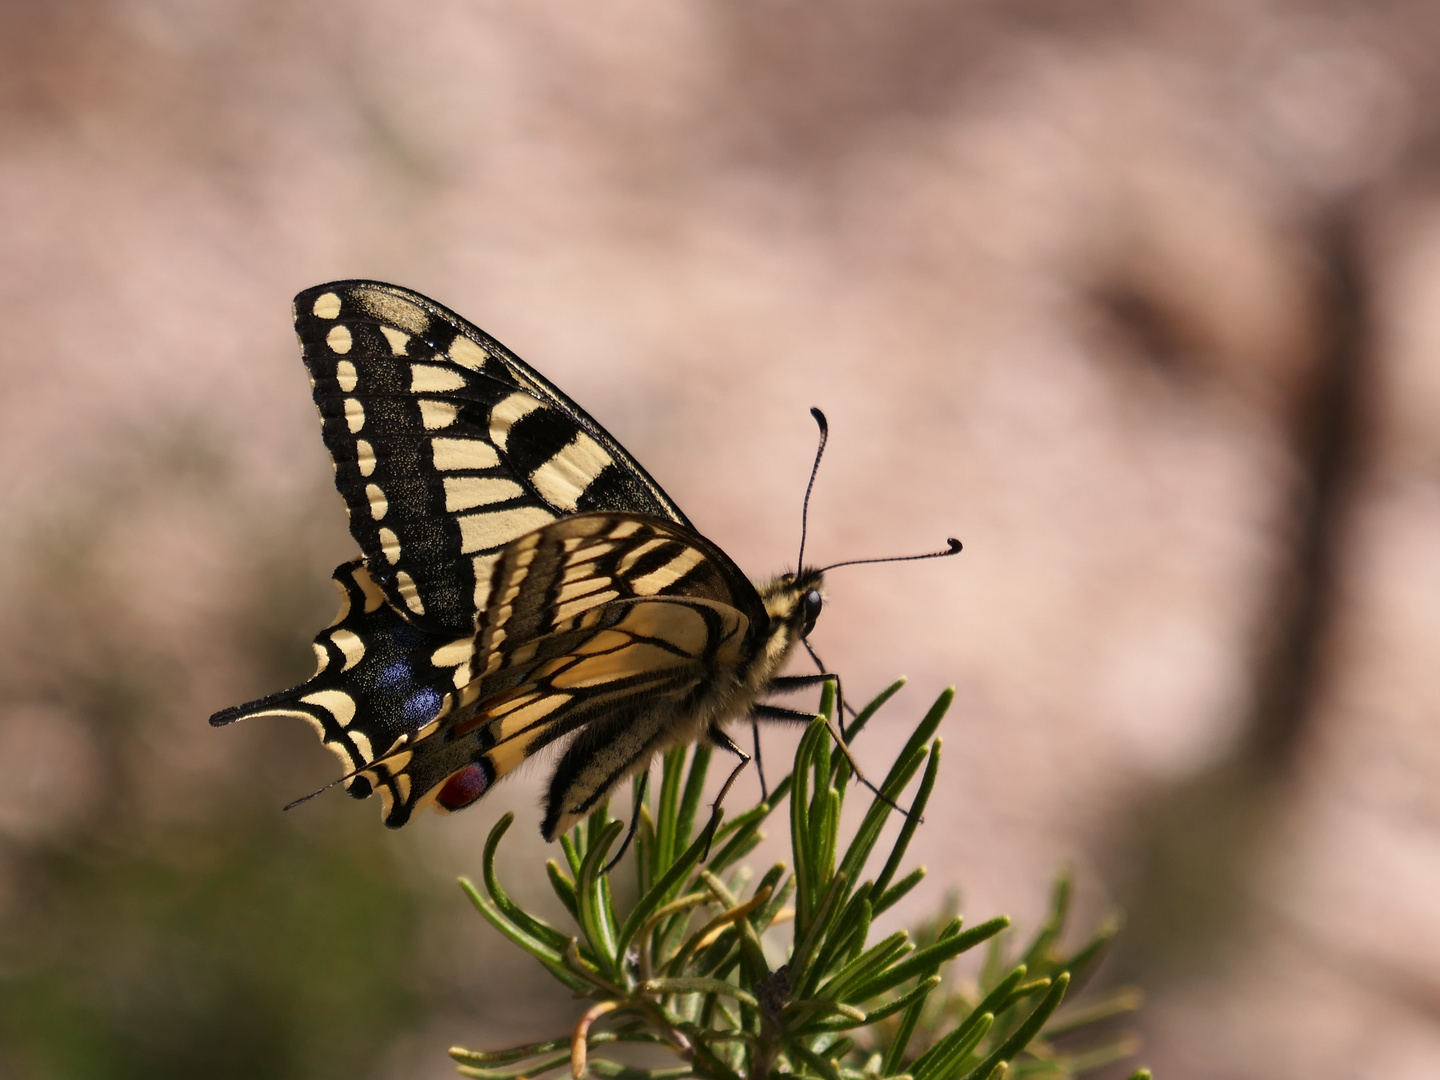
x=952 y=548
x=820 y=419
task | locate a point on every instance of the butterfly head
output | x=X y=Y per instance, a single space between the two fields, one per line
x=793 y=602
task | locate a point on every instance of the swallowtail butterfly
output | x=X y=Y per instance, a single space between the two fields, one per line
x=523 y=579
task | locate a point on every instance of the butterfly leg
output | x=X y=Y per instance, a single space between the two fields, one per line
x=825 y=671
x=634 y=821
x=759 y=765
x=783 y=685
x=795 y=716
x=724 y=742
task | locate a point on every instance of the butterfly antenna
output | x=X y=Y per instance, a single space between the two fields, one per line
x=815 y=468
x=954 y=549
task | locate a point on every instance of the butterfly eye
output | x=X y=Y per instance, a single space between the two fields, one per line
x=812 y=609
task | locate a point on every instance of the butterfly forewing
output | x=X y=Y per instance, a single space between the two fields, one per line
x=447 y=446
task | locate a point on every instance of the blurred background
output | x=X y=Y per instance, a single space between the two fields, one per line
x=1139 y=298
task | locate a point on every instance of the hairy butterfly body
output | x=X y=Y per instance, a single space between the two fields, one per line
x=522 y=578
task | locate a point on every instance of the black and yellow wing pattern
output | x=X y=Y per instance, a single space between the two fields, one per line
x=522 y=578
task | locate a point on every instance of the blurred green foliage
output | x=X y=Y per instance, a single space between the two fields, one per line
x=159 y=916
x=234 y=949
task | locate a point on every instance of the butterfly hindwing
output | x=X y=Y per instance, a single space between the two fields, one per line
x=547 y=579
x=610 y=623
x=379 y=679
x=605 y=624
x=447 y=446
x=626 y=677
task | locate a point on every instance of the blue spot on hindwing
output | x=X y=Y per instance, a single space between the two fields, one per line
x=422 y=705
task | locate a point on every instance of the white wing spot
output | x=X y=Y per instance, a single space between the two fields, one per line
x=634 y=555
x=564 y=478
x=533 y=710
x=577 y=570
x=397 y=760
x=344 y=604
x=346 y=376
x=429 y=379
x=409 y=593
x=481 y=531
x=484 y=565
x=349 y=643
x=505 y=415
x=496 y=656
x=354 y=414
x=361 y=742
x=467 y=353
x=398 y=339
x=466 y=492
x=364 y=457
x=456 y=652
x=337 y=703
x=339 y=339
x=589 y=553
x=327 y=305
x=585 y=603
x=582 y=588
x=390 y=545
x=373 y=596
x=452 y=454
x=378 y=503
x=665 y=576
x=437 y=414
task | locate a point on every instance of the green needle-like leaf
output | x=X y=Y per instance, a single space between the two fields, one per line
x=693 y=965
x=660 y=893
x=536 y=928
x=897 y=891
x=1022 y=1035
x=596 y=916
x=564 y=888
x=912 y=821
x=942 y=1059
x=924 y=961
x=694 y=792
x=863 y=716
x=690 y=985
x=536 y=948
